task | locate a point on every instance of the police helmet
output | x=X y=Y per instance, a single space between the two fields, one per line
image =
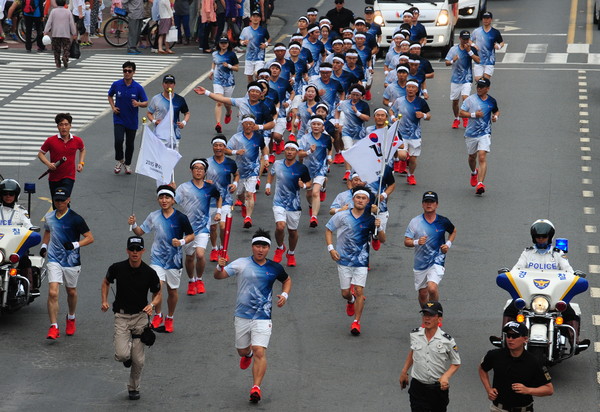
x=542 y=228
x=10 y=186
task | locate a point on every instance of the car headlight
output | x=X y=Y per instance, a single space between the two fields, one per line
x=540 y=305
x=379 y=18
x=443 y=18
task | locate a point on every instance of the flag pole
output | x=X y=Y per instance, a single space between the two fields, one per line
x=172 y=128
x=136 y=175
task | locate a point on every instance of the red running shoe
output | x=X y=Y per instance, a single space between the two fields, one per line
x=314 y=222
x=243 y=211
x=338 y=159
x=227 y=118
x=355 y=328
x=474 y=178
x=71 y=328
x=238 y=203
x=157 y=320
x=480 y=189
x=465 y=122
x=411 y=180
x=169 y=325
x=281 y=146
x=192 y=288
x=288 y=126
x=214 y=255
x=279 y=254
x=346 y=176
x=258 y=185
x=272 y=159
x=456 y=123
x=255 y=394
x=350 y=309
x=292 y=137
x=291 y=260
x=247 y=222
x=245 y=362
x=218 y=128
x=368 y=95
x=200 y=286
x=53 y=333
x=323 y=195
x=402 y=167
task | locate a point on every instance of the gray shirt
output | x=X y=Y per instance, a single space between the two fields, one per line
x=431 y=359
x=60 y=23
x=135 y=8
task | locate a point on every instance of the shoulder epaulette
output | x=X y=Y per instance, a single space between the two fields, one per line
x=447 y=336
x=415 y=330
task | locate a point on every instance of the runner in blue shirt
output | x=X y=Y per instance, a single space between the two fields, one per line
x=372 y=27
x=195 y=197
x=291 y=177
x=413 y=108
x=487 y=40
x=427 y=234
x=380 y=128
x=460 y=57
x=315 y=152
x=398 y=88
x=256 y=38
x=415 y=73
x=388 y=185
x=418 y=32
x=124 y=97
x=345 y=77
x=365 y=60
x=482 y=109
x=248 y=147
x=172 y=230
x=316 y=48
x=288 y=68
x=306 y=110
x=60 y=245
x=224 y=65
x=222 y=172
x=285 y=92
x=356 y=113
x=353 y=67
x=331 y=90
x=158 y=109
x=354 y=228
x=255 y=278
x=333 y=130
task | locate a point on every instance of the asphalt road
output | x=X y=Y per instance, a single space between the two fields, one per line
x=535 y=170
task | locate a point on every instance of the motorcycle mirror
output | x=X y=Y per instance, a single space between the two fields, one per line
x=35 y=228
x=496 y=341
x=29 y=188
x=503 y=270
x=580 y=273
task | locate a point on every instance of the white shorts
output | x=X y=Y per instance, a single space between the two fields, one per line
x=457 y=90
x=318 y=180
x=225 y=209
x=251 y=67
x=255 y=332
x=383 y=217
x=280 y=125
x=291 y=219
x=480 y=69
x=226 y=91
x=248 y=184
x=171 y=276
x=475 y=144
x=296 y=102
x=352 y=276
x=348 y=142
x=413 y=147
x=200 y=240
x=60 y=274
x=434 y=273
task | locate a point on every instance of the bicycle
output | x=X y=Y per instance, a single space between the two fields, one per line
x=116 y=30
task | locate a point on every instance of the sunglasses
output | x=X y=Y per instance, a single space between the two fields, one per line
x=512 y=336
x=135 y=248
x=127 y=71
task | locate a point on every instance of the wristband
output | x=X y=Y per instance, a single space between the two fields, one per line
x=268 y=186
x=75 y=245
x=212 y=70
x=329 y=157
x=288 y=102
x=233 y=152
x=235 y=183
x=425 y=116
x=495 y=117
x=473 y=115
x=261 y=127
x=424 y=91
x=470 y=53
x=44 y=246
x=134 y=225
x=415 y=242
x=219 y=268
x=390 y=104
x=182 y=242
x=386 y=72
x=153 y=121
x=309 y=151
x=449 y=244
x=183 y=122
x=152 y=305
x=385 y=195
x=207 y=93
x=82 y=163
x=266 y=157
x=285 y=295
x=219 y=210
x=229 y=66
x=330 y=247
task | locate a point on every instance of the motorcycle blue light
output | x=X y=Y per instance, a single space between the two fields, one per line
x=562 y=244
x=561 y=306
x=29 y=188
x=520 y=303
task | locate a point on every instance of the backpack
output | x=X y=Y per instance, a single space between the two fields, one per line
x=29 y=7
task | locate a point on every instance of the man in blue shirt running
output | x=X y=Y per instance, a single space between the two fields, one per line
x=487 y=39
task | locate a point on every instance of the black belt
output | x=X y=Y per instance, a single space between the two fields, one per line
x=435 y=385
x=124 y=312
x=528 y=408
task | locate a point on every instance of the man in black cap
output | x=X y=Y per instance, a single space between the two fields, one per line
x=433 y=358
x=340 y=18
x=487 y=40
x=372 y=27
x=427 y=234
x=134 y=279
x=518 y=375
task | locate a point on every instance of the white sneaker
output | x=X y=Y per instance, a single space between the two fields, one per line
x=118 y=167
x=127 y=169
x=153 y=50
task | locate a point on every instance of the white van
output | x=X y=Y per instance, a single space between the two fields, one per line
x=438 y=17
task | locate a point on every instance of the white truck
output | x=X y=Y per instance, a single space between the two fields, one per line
x=438 y=17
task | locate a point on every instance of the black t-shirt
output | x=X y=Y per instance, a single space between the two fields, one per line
x=133 y=285
x=339 y=20
x=525 y=369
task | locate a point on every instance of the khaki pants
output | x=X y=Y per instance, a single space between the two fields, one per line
x=128 y=348
x=494 y=408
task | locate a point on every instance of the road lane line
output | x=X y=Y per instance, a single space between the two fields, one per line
x=589 y=23
x=590 y=229
x=595 y=292
x=572 y=22
x=593 y=249
x=589 y=211
x=587 y=193
x=594 y=269
x=586 y=168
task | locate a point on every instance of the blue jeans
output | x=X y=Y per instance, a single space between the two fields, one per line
x=185 y=21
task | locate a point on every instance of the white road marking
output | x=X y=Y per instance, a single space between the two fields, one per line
x=590 y=229
x=586 y=181
x=589 y=211
x=593 y=249
x=595 y=292
x=587 y=193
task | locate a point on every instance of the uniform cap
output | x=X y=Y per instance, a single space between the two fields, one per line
x=487 y=15
x=135 y=242
x=427 y=196
x=432 y=308
x=60 y=194
x=515 y=327
x=465 y=34
x=483 y=82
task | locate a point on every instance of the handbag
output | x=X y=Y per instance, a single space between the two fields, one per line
x=172 y=35
x=74 y=51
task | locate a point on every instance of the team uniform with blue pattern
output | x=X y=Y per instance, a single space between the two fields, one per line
x=316 y=162
x=68 y=228
x=410 y=125
x=176 y=226
x=221 y=175
x=224 y=76
x=479 y=126
x=429 y=254
x=462 y=71
x=287 y=190
x=353 y=125
x=261 y=110
x=485 y=42
x=196 y=201
x=159 y=108
x=255 y=38
x=353 y=236
x=249 y=163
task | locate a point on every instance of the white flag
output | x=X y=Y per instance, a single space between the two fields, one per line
x=369 y=155
x=165 y=130
x=155 y=160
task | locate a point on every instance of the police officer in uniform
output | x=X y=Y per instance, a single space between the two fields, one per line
x=434 y=358
x=518 y=375
x=134 y=279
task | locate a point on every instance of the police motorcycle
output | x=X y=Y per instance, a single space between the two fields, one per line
x=21 y=274
x=541 y=298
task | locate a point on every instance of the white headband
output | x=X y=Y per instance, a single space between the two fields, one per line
x=413 y=61
x=219 y=141
x=360 y=21
x=279 y=48
x=325 y=21
x=407 y=13
x=349 y=41
x=261 y=239
x=361 y=192
x=336 y=41
x=415 y=46
x=204 y=163
x=291 y=144
x=404 y=42
x=339 y=59
x=255 y=88
x=402 y=69
x=316 y=120
x=351 y=54
x=380 y=109
x=396 y=35
x=403 y=57
x=347 y=31
x=311 y=13
x=276 y=63
x=325 y=69
x=322 y=106
x=248 y=119
x=313 y=29
x=413 y=82
x=304 y=18
x=165 y=192
x=294 y=46
x=355 y=90
x=360 y=35
x=354 y=175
